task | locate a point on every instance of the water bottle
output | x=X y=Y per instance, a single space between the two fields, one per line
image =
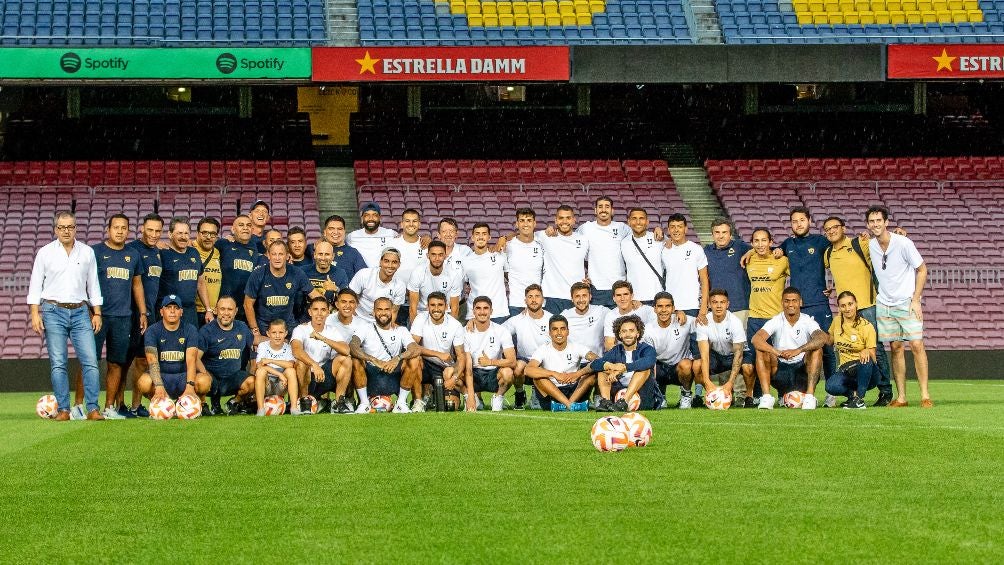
x=439 y=392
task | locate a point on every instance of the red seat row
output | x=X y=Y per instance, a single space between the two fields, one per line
x=95 y=173
x=509 y=171
x=911 y=168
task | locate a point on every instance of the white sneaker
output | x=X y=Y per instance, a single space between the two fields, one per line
x=766 y=402
x=686 y=401
x=111 y=413
x=498 y=402
x=418 y=405
x=401 y=409
x=77 y=412
x=830 y=401
x=481 y=405
x=364 y=408
x=808 y=402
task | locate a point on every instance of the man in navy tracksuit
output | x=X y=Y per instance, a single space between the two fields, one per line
x=628 y=365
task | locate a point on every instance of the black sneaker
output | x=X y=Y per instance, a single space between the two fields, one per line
x=604 y=405
x=620 y=406
x=341 y=406
x=520 y=400
x=324 y=405
x=749 y=403
x=883 y=400
x=141 y=412
x=304 y=405
x=233 y=407
x=845 y=403
x=208 y=410
x=698 y=402
x=854 y=404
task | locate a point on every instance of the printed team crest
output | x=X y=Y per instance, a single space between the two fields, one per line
x=535 y=250
x=770 y=270
x=732 y=251
x=649 y=241
x=181 y=340
x=289 y=286
x=542 y=328
x=128 y=258
x=442 y=336
x=568 y=356
x=854 y=337
x=383 y=241
x=578 y=243
x=192 y=259
x=339 y=254
x=615 y=235
x=676 y=332
x=491 y=340
x=728 y=334
x=798 y=332
x=240 y=337
x=250 y=253
x=688 y=254
x=591 y=320
x=812 y=251
x=393 y=337
x=493 y=258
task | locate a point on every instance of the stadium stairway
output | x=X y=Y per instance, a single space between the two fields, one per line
x=336 y=194
x=706 y=27
x=695 y=189
x=343 y=23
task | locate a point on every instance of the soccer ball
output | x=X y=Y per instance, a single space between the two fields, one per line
x=639 y=429
x=274 y=406
x=610 y=434
x=313 y=403
x=793 y=399
x=381 y=404
x=718 y=399
x=633 y=404
x=46 y=407
x=162 y=409
x=188 y=407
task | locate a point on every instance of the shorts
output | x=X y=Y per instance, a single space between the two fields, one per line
x=136 y=338
x=545 y=401
x=274 y=386
x=896 y=323
x=719 y=363
x=115 y=333
x=602 y=297
x=557 y=305
x=665 y=374
x=380 y=383
x=486 y=380
x=430 y=371
x=227 y=384
x=174 y=384
x=649 y=393
x=753 y=325
x=789 y=377
x=316 y=388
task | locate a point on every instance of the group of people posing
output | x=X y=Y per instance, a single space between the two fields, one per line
x=601 y=311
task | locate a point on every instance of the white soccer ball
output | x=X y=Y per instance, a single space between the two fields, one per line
x=639 y=429
x=188 y=407
x=274 y=406
x=162 y=409
x=313 y=403
x=381 y=404
x=718 y=399
x=609 y=433
x=793 y=399
x=47 y=407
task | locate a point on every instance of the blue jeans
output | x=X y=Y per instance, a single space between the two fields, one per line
x=884 y=384
x=62 y=324
x=858 y=379
x=824 y=317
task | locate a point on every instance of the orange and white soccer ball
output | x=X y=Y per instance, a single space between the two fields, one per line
x=274 y=406
x=188 y=407
x=47 y=407
x=633 y=404
x=381 y=404
x=793 y=399
x=639 y=429
x=609 y=433
x=162 y=409
x=718 y=399
x=313 y=403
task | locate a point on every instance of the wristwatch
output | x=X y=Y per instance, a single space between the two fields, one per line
x=190 y=383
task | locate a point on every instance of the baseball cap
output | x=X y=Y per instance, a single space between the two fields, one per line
x=371 y=206
x=171 y=299
x=258 y=203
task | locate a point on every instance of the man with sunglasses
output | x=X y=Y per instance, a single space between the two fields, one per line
x=207 y=232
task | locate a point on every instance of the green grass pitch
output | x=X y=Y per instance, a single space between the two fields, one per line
x=833 y=486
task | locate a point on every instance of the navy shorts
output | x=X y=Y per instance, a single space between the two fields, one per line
x=719 y=363
x=136 y=338
x=486 y=380
x=557 y=305
x=649 y=393
x=227 y=384
x=115 y=333
x=789 y=377
x=430 y=371
x=380 y=383
x=753 y=325
x=666 y=374
x=602 y=297
x=175 y=384
x=545 y=401
x=316 y=388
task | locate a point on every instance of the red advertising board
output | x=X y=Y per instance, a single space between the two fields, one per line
x=442 y=64
x=956 y=62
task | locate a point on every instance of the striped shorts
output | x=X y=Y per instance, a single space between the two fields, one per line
x=896 y=323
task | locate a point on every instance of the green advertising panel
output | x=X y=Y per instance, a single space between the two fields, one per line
x=167 y=63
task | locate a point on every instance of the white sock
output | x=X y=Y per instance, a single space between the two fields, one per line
x=402 y=397
x=364 y=398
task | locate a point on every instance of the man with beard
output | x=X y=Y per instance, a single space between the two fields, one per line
x=372 y=237
x=564 y=260
x=561 y=382
x=485 y=271
x=386 y=360
x=721 y=344
x=172 y=351
x=603 y=238
x=643 y=258
x=322 y=276
x=224 y=344
x=628 y=365
x=183 y=274
x=323 y=364
x=441 y=342
x=238 y=258
x=379 y=282
x=530 y=329
x=432 y=277
x=585 y=320
x=271 y=292
x=148 y=312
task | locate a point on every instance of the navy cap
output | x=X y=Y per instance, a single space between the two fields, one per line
x=371 y=206
x=258 y=203
x=171 y=299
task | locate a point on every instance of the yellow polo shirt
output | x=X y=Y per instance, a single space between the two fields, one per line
x=853 y=339
x=214 y=277
x=767 y=281
x=849 y=273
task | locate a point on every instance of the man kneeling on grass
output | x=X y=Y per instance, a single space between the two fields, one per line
x=276 y=372
x=628 y=365
x=172 y=350
x=560 y=381
x=386 y=360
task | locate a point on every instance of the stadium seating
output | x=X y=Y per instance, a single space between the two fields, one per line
x=860 y=21
x=162 y=22
x=31 y=192
x=517 y=22
x=943 y=203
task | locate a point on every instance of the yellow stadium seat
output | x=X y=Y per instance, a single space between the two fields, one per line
x=504 y=8
x=925 y=5
x=866 y=17
x=943 y=16
x=851 y=18
x=846 y=5
x=913 y=17
x=956 y=5
x=894 y=5
x=457 y=7
x=506 y=20
x=895 y=18
x=582 y=7
x=537 y=20
x=804 y=18
x=568 y=20
x=800 y=5
x=583 y=19
x=882 y=17
x=491 y=20
x=959 y=16
x=566 y=7
x=819 y=18
x=534 y=8
x=489 y=8
x=816 y=6
x=553 y=20
x=939 y=5
x=975 y=16
x=521 y=20
x=875 y=6
x=597 y=6
x=928 y=16
x=834 y=18
x=519 y=7
x=831 y=6
x=908 y=5
x=475 y=20
x=550 y=7
x=864 y=5
x=473 y=8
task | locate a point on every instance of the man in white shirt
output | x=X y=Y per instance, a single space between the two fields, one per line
x=441 y=343
x=323 y=364
x=65 y=300
x=901 y=274
x=560 y=370
x=642 y=254
x=386 y=361
x=686 y=270
x=525 y=256
x=491 y=357
x=604 y=237
x=585 y=320
x=434 y=276
x=671 y=340
x=793 y=359
x=529 y=327
x=344 y=320
x=626 y=305
x=564 y=260
x=447 y=231
x=721 y=343
x=409 y=244
x=370 y=239
x=379 y=282
x=485 y=271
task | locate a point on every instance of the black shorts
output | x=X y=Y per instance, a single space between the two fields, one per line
x=227 y=384
x=175 y=384
x=789 y=377
x=430 y=371
x=136 y=338
x=666 y=375
x=380 y=383
x=719 y=363
x=486 y=380
x=115 y=333
x=316 y=388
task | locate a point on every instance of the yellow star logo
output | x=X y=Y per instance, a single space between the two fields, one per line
x=944 y=61
x=367 y=64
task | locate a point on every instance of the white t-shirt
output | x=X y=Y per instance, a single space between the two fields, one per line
x=315 y=348
x=682 y=262
x=787 y=336
x=529 y=333
x=587 y=328
x=568 y=360
x=486 y=275
x=455 y=260
x=443 y=337
x=449 y=281
x=526 y=267
x=672 y=343
x=721 y=335
x=266 y=353
x=564 y=263
x=369 y=287
x=605 y=263
x=645 y=312
x=396 y=340
x=412 y=255
x=344 y=331
x=897 y=281
x=369 y=245
x=639 y=274
x=490 y=342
